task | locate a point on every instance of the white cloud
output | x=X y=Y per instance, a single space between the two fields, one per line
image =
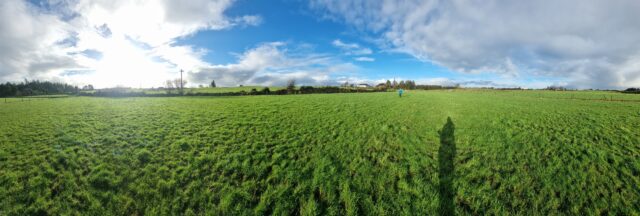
x=25 y=35
x=272 y=64
x=134 y=39
x=589 y=43
x=364 y=59
x=351 y=48
x=157 y=22
x=250 y=20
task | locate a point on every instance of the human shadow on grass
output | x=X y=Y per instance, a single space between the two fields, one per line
x=446 y=172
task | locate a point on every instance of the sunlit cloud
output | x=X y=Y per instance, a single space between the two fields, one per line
x=351 y=48
x=272 y=64
x=107 y=43
x=364 y=59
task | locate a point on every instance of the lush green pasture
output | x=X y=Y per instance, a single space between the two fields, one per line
x=528 y=153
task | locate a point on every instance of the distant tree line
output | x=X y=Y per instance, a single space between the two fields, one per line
x=632 y=90
x=435 y=87
x=36 y=87
x=396 y=85
x=411 y=84
x=556 y=88
x=306 y=90
x=403 y=84
x=253 y=91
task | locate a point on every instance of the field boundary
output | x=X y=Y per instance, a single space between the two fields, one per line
x=587 y=99
x=222 y=94
x=31 y=98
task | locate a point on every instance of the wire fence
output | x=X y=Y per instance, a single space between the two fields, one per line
x=612 y=96
x=588 y=96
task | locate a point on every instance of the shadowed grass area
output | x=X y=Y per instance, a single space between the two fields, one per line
x=446 y=171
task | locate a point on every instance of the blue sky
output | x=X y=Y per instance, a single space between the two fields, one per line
x=296 y=24
x=572 y=43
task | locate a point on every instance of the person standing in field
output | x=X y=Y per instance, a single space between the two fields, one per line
x=400 y=91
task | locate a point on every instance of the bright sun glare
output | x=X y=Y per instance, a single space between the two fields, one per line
x=123 y=63
x=126 y=59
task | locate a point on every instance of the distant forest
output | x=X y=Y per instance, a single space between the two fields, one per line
x=35 y=87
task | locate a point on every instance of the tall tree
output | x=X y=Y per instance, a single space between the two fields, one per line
x=387 y=84
x=168 y=84
x=213 y=84
x=345 y=84
x=177 y=83
x=291 y=86
x=411 y=84
x=87 y=87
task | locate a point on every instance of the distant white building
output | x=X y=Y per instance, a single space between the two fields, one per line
x=363 y=85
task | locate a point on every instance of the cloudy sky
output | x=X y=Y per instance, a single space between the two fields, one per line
x=141 y=43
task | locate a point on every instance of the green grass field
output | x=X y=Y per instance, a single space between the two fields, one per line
x=502 y=152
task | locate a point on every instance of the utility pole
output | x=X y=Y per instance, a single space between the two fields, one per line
x=181 y=87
